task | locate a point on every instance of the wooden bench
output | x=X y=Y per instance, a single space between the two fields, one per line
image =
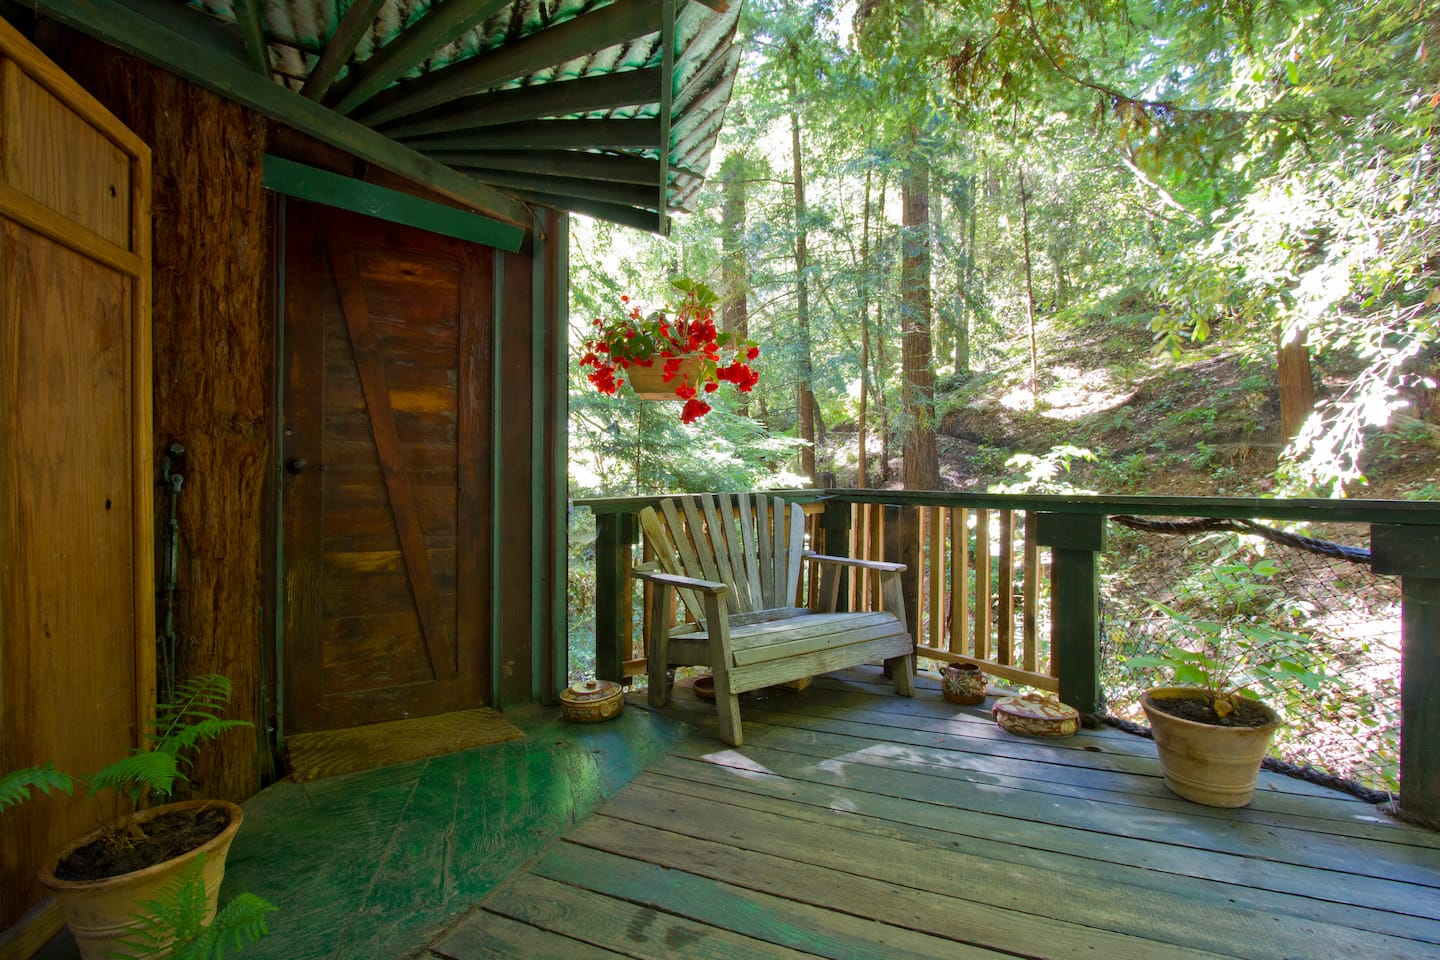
x=735 y=562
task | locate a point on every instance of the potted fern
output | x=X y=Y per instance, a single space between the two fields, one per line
x=108 y=881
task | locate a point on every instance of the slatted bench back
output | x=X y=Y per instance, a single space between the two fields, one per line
x=750 y=543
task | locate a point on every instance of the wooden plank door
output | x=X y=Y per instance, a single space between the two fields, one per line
x=386 y=482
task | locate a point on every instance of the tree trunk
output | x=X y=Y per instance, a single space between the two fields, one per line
x=922 y=467
x=967 y=279
x=734 y=282
x=1297 y=388
x=1029 y=290
x=805 y=399
x=882 y=366
x=860 y=437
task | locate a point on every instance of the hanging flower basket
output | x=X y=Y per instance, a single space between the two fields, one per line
x=679 y=356
x=649 y=383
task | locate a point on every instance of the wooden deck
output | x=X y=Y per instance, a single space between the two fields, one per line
x=857 y=824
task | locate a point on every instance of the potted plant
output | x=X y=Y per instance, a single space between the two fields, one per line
x=675 y=355
x=109 y=881
x=1211 y=732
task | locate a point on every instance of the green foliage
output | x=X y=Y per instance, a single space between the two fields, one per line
x=181 y=725
x=1225 y=658
x=1042 y=474
x=176 y=921
x=15 y=786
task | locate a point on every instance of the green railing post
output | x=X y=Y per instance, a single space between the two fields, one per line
x=614 y=534
x=902 y=545
x=1413 y=553
x=1075 y=540
x=835 y=521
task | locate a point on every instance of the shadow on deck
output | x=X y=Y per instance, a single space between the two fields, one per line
x=855 y=823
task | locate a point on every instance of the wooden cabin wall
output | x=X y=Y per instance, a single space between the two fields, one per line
x=213 y=347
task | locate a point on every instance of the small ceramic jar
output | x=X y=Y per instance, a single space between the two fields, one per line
x=592 y=701
x=1035 y=716
x=963 y=683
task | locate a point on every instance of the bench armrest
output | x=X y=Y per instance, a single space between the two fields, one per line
x=684 y=583
x=881 y=565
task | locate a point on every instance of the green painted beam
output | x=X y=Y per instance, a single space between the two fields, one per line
x=252 y=31
x=552 y=134
x=445 y=22
x=625 y=194
x=619 y=22
x=184 y=42
x=322 y=186
x=339 y=48
x=607 y=167
x=609 y=91
x=638 y=217
x=667 y=107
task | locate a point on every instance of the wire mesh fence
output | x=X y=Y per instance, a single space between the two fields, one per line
x=1315 y=635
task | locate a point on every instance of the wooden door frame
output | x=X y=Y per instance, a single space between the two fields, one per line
x=543 y=311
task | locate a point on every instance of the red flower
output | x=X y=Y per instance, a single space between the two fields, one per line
x=752 y=353
x=711 y=386
x=694 y=410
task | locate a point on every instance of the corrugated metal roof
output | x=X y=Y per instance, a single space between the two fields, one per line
x=464 y=81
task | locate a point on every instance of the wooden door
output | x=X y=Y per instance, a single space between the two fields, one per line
x=77 y=635
x=386 y=482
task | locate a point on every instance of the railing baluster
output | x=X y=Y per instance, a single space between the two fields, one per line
x=982 y=585
x=1031 y=601
x=959 y=580
x=1005 y=590
x=935 y=573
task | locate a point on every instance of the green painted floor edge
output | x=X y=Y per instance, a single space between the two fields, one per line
x=377 y=865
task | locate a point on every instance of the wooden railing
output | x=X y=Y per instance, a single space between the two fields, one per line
x=978 y=567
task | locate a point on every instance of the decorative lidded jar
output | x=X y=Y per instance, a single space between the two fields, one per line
x=592 y=700
x=963 y=683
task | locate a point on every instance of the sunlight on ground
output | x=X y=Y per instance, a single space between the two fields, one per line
x=1080 y=393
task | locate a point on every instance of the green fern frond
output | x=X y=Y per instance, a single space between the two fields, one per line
x=16 y=785
x=240 y=922
x=131 y=775
x=197 y=701
x=198 y=732
x=176 y=921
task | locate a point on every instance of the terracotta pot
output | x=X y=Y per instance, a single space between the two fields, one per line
x=1209 y=764
x=963 y=683
x=100 y=913
x=649 y=382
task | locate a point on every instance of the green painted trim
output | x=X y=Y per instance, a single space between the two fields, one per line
x=277 y=441
x=197 y=48
x=588 y=33
x=539 y=578
x=560 y=489
x=443 y=22
x=667 y=105
x=626 y=88
x=1404 y=512
x=639 y=218
x=252 y=31
x=603 y=167
x=623 y=194
x=321 y=186
x=551 y=134
x=497 y=473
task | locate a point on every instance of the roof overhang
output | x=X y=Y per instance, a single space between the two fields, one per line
x=604 y=107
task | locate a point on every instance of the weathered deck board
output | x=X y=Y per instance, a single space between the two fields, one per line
x=855 y=823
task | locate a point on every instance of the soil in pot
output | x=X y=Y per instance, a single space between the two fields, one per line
x=165 y=837
x=1247 y=713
